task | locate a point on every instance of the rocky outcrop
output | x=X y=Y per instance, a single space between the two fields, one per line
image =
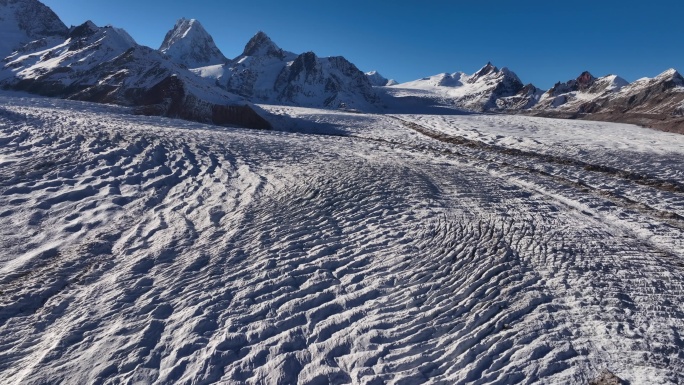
x=170 y=98
x=526 y=98
x=607 y=378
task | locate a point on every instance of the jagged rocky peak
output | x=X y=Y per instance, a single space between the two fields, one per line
x=86 y=29
x=189 y=44
x=529 y=89
x=585 y=80
x=262 y=45
x=490 y=71
x=486 y=70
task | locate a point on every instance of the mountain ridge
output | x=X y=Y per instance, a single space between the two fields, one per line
x=265 y=73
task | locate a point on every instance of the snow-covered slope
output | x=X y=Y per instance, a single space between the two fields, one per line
x=424 y=249
x=481 y=91
x=253 y=73
x=105 y=65
x=23 y=21
x=378 y=80
x=189 y=44
x=266 y=73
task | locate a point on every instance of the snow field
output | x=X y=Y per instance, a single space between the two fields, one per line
x=148 y=250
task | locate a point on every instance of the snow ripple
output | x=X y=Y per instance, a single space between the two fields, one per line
x=139 y=252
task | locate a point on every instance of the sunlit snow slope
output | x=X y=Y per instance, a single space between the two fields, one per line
x=398 y=249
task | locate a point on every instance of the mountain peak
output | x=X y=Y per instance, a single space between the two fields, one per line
x=86 y=29
x=585 y=79
x=670 y=73
x=27 y=20
x=378 y=80
x=189 y=44
x=486 y=70
x=262 y=45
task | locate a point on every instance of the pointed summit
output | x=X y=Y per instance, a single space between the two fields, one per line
x=670 y=74
x=262 y=45
x=86 y=29
x=585 y=80
x=486 y=70
x=189 y=44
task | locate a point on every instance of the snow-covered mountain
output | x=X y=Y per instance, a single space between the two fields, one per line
x=481 y=91
x=656 y=102
x=105 y=65
x=264 y=72
x=579 y=94
x=378 y=80
x=662 y=95
x=23 y=21
x=189 y=44
x=93 y=63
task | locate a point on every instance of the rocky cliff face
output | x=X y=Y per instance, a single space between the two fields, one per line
x=331 y=82
x=189 y=44
x=171 y=98
x=526 y=98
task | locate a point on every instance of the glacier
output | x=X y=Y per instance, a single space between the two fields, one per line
x=338 y=248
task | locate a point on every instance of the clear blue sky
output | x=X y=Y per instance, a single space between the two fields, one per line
x=542 y=41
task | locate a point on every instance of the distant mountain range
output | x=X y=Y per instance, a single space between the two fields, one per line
x=189 y=77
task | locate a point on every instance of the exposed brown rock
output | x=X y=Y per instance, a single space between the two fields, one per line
x=585 y=80
x=607 y=378
x=169 y=98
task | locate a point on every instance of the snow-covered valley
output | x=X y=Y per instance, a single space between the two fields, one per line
x=340 y=248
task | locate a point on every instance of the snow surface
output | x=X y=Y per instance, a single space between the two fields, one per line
x=354 y=249
x=378 y=80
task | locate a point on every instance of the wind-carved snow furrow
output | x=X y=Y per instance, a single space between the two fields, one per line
x=148 y=253
x=609 y=196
